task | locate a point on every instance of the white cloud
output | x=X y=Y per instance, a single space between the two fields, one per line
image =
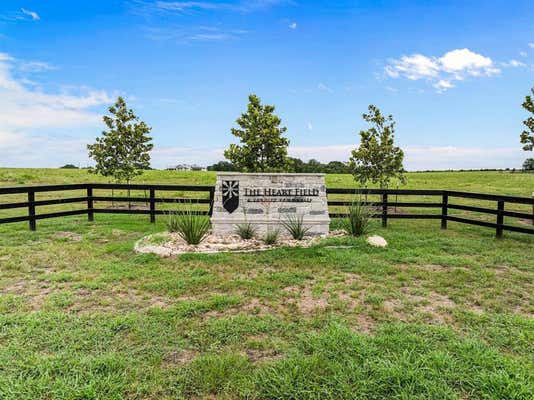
x=36 y=66
x=32 y=14
x=523 y=53
x=26 y=112
x=181 y=7
x=209 y=36
x=293 y=25
x=425 y=157
x=324 y=88
x=413 y=67
x=163 y=157
x=531 y=45
x=5 y=57
x=464 y=61
x=443 y=85
x=454 y=65
x=514 y=63
x=204 y=33
x=309 y=126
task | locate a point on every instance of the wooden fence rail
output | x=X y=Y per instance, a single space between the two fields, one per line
x=385 y=209
x=444 y=205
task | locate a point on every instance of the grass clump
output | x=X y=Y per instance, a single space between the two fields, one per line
x=358 y=221
x=271 y=237
x=294 y=224
x=245 y=231
x=189 y=226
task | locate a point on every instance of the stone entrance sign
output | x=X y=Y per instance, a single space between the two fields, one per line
x=267 y=199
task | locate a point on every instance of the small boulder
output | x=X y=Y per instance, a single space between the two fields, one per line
x=377 y=241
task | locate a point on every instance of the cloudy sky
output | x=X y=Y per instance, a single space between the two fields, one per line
x=452 y=73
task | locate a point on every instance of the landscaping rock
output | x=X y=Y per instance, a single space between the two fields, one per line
x=167 y=244
x=377 y=241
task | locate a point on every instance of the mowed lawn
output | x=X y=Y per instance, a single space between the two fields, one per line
x=438 y=314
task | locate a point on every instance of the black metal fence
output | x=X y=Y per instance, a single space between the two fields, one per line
x=441 y=201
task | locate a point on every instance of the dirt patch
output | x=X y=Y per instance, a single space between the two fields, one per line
x=73 y=236
x=35 y=292
x=429 y=267
x=179 y=357
x=101 y=300
x=257 y=356
x=303 y=298
x=527 y=222
x=255 y=306
x=365 y=323
x=433 y=304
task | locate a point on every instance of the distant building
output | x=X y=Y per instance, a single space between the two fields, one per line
x=187 y=167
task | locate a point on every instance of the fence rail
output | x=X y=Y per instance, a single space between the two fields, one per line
x=442 y=201
x=444 y=206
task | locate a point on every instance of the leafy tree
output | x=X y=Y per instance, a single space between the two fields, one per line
x=337 y=167
x=69 y=166
x=377 y=159
x=313 y=166
x=295 y=165
x=222 y=166
x=527 y=136
x=123 y=151
x=263 y=146
x=528 y=165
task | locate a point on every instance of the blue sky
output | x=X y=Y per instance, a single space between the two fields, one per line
x=452 y=73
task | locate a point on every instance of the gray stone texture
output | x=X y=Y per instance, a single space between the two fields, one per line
x=267 y=212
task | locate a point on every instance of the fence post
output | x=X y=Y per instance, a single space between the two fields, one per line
x=212 y=199
x=90 y=213
x=500 y=218
x=532 y=220
x=31 y=209
x=152 y=206
x=384 y=210
x=444 y=210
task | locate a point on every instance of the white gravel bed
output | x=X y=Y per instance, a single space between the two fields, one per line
x=168 y=244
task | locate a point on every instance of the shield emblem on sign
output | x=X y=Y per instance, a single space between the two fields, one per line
x=230 y=195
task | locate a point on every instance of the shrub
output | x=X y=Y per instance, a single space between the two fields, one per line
x=359 y=218
x=245 y=231
x=271 y=236
x=294 y=224
x=189 y=226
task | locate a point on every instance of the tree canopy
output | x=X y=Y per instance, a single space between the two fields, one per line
x=123 y=150
x=263 y=148
x=377 y=159
x=527 y=136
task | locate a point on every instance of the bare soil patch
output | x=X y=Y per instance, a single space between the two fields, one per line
x=75 y=237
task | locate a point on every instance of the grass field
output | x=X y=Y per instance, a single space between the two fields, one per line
x=436 y=315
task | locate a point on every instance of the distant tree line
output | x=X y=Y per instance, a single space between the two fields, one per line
x=293 y=165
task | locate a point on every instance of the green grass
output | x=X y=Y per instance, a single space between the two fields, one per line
x=435 y=315
x=500 y=182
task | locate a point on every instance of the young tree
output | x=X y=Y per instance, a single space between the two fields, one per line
x=377 y=159
x=527 y=136
x=528 y=165
x=263 y=146
x=123 y=151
